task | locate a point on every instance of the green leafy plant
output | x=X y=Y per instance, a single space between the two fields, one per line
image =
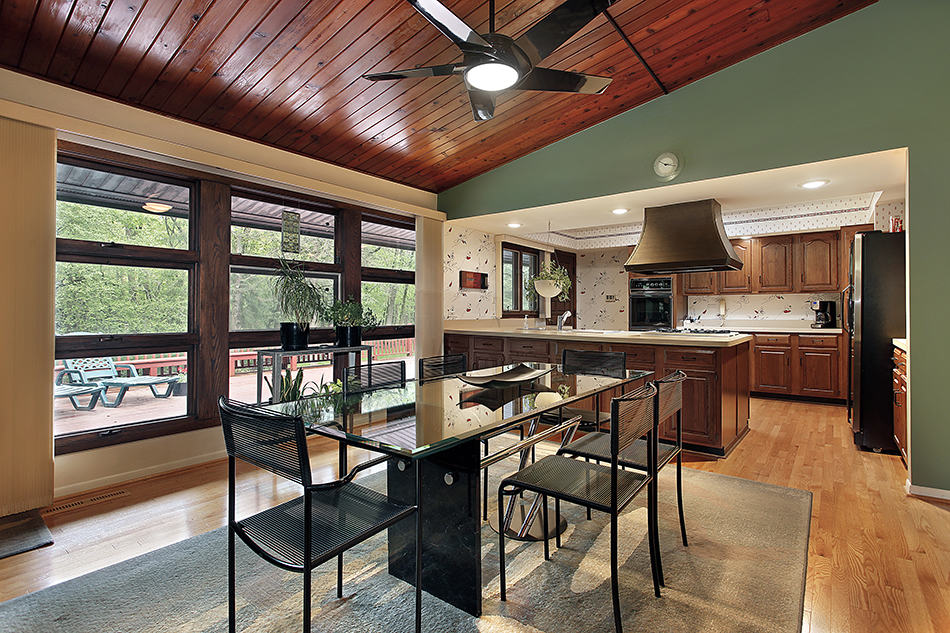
x=553 y=272
x=291 y=387
x=298 y=299
x=349 y=313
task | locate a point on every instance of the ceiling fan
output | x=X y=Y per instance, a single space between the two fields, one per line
x=493 y=62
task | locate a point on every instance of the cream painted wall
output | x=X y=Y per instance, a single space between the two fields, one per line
x=78 y=116
x=28 y=216
x=428 y=287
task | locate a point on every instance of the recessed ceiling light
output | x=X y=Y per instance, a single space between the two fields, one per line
x=620 y=211
x=514 y=225
x=157 y=207
x=814 y=184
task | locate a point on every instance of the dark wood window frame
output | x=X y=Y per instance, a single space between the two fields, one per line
x=208 y=262
x=519 y=291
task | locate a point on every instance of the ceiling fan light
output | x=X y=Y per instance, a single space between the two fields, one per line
x=491 y=77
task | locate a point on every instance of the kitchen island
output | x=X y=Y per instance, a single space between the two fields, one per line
x=716 y=392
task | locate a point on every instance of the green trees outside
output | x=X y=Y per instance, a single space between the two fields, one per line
x=106 y=299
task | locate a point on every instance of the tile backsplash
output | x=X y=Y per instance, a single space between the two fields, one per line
x=468 y=249
x=787 y=307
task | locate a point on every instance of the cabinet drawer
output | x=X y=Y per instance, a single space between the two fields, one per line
x=531 y=347
x=812 y=340
x=457 y=344
x=773 y=340
x=636 y=354
x=686 y=356
x=586 y=347
x=488 y=344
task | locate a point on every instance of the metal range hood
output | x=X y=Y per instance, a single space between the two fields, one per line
x=683 y=238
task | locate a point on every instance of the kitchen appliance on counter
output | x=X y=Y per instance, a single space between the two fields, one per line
x=651 y=303
x=875 y=316
x=824 y=314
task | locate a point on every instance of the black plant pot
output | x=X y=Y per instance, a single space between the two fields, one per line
x=349 y=336
x=293 y=337
x=180 y=389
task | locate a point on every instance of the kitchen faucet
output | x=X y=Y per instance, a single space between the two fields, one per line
x=562 y=318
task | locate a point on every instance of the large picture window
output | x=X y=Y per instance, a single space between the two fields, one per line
x=518 y=263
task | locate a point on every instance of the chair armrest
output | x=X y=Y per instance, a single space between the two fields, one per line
x=350 y=475
x=128 y=366
x=71 y=372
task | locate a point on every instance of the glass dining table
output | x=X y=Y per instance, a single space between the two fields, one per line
x=440 y=425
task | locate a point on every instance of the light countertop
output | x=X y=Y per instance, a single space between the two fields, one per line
x=902 y=343
x=606 y=336
x=783 y=326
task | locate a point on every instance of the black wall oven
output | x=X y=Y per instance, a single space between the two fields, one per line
x=651 y=303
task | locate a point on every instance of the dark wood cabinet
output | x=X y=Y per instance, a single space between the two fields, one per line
x=818 y=372
x=700 y=398
x=483 y=359
x=738 y=281
x=845 y=240
x=817 y=258
x=774 y=259
x=700 y=283
x=772 y=369
x=899 y=388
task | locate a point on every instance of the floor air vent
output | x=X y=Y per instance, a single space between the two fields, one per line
x=85 y=501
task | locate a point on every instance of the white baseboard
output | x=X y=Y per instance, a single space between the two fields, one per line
x=924 y=491
x=129 y=475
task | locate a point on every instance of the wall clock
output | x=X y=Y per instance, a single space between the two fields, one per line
x=667 y=166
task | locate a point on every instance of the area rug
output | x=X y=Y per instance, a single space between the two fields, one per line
x=23 y=532
x=744 y=571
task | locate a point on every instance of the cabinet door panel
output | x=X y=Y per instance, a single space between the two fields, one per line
x=773 y=369
x=774 y=264
x=483 y=360
x=738 y=281
x=700 y=420
x=819 y=372
x=700 y=284
x=818 y=261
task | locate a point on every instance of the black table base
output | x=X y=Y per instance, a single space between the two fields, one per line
x=536 y=531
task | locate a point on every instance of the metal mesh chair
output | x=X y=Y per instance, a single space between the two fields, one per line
x=593 y=363
x=374 y=376
x=597 y=486
x=436 y=367
x=596 y=446
x=305 y=532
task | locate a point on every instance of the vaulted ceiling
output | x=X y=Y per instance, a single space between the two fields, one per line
x=288 y=72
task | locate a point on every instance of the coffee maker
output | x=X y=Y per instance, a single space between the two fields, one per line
x=824 y=314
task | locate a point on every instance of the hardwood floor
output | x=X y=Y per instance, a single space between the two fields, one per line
x=878 y=560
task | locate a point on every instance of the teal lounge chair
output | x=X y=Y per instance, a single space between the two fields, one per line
x=104 y=372
x=73 y=390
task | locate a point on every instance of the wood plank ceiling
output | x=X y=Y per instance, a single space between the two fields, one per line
x=287 y=72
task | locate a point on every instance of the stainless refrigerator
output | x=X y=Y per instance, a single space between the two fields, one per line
x=876 y=314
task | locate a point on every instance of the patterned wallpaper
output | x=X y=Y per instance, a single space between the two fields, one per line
x=600 y=273
x=790 y=307
x=468 y=249
x=883 y=212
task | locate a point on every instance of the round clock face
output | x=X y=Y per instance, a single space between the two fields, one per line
x=667 y=166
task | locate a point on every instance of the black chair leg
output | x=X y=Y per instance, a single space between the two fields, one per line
x=615 y=572
x=652 y=543
x=544 y=526
x=588 y=509
x=679 y=496
x=339 y=576
x=501 y=541
x=557 y=522
x=485 y=487
x=418 y=547
x=307 y=572
x=655 y=532
x=232 y=600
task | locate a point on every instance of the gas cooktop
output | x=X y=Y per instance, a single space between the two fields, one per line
x=698 y=332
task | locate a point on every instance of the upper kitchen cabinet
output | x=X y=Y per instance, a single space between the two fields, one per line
x=773 y=264
x=700 y=284
x=738 y=281
x=817 y=258
x=845 y=240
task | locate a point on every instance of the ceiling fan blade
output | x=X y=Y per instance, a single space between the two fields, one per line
x=424 y=71
x=559 y=26
x=552 y=80
x=483 y=104
x=451 y=25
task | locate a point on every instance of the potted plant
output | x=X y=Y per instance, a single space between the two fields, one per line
x=550 y=281
x=298 y=300
x=349 y=318
x=180 y=388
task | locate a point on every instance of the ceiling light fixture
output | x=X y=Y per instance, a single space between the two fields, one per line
x=814 y=184
x=157 y=207
x=491 y=77
x=514 y=225
x=620 y=211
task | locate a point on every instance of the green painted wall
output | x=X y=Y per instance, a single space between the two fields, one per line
x=874 y=80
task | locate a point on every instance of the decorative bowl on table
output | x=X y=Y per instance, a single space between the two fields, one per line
x=516 y=375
